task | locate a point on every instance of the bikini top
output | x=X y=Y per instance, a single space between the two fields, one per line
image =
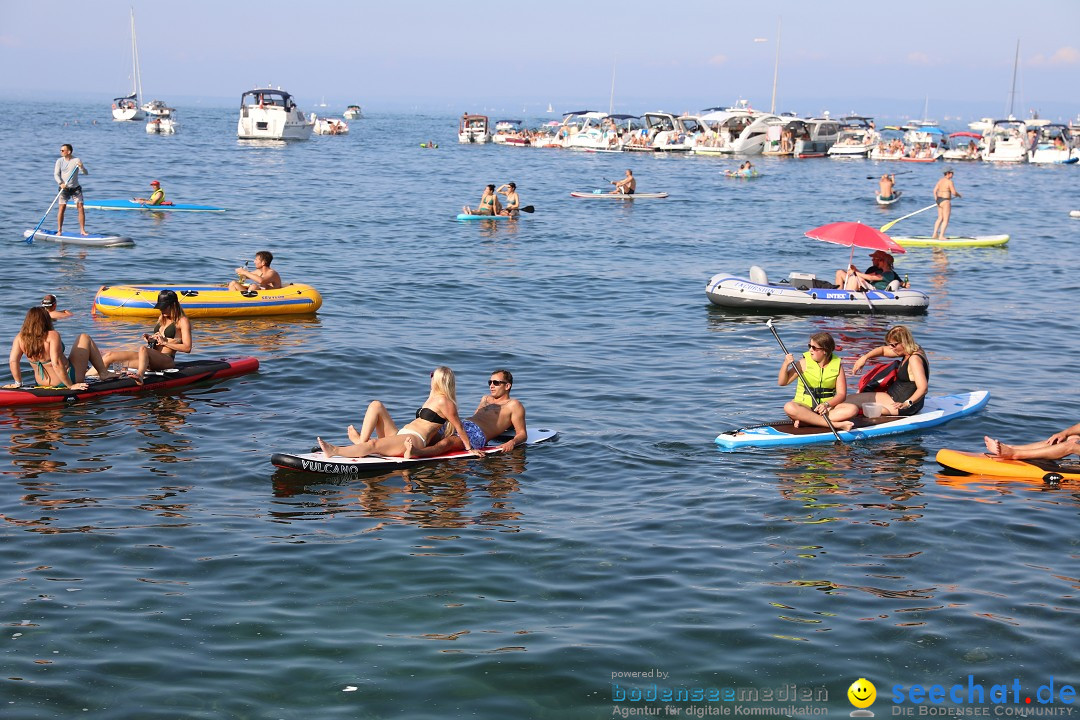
x=169 y=331
x=430 y=415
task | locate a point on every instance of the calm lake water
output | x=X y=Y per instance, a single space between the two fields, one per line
x=155 y=565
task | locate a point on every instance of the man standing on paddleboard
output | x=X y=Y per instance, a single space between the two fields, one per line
x=66 y=174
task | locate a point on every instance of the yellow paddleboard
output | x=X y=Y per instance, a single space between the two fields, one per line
x=951 y=241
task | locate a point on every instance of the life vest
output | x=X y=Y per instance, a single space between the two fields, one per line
x=157 y=198
x=822 y=380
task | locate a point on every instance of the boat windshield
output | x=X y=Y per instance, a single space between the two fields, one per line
x=267 y=98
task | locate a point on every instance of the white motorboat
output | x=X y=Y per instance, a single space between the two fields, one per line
x=665 y=132
x=1006 y=142
x=163 y=122
x=353 y=112
x=1054 y=145
x=560 y=134
x=157 y=107
x=963 y=146
x=473 y=129
x=603 y=134
x=272 y=114
x=798 y=293
x=734 y=130
x=801 y=138
x=925 y=143
x=857 y=137
x=506 y=130
x=890 y=146
x=981 y=125
x=330 y=126
x=128 y=107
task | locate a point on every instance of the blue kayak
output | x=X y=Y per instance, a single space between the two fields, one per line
x=131 y=205
x=936 y=410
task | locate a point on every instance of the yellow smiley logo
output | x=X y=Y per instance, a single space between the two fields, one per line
x=862 y=693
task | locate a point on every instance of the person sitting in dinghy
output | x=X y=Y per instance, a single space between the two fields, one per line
x=821 y=367
x=905 y=395
x=264 y=277
x=879 y=276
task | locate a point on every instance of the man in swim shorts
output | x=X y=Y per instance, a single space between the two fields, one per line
x=66 y=174
x=627 y=185
x=495 y=415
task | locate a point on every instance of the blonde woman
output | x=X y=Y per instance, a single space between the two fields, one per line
x=379 y=435
x=906 y=393
x=41 y=345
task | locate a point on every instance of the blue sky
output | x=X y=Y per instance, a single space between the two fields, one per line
x=871 y=57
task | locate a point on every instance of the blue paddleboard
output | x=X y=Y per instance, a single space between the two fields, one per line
x=463 y=216
x=130 y=205
x=936 y=410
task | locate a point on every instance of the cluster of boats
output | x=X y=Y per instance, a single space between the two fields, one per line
x=265 y=113
x=742 y=130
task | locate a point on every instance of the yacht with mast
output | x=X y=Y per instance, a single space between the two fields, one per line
x=129 y=107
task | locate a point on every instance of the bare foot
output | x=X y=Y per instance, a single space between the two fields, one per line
x=795 y=423
x=328 y=449
x=408 y=448
x=844 y=425
x=83 y=233
x=997 y=448
x=354 y=435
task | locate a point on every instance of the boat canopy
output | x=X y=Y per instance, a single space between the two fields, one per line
x=268 y=97
x=977 y=136
x=624 y=117
x=131 y=97
x=929 y=129
x=512 y=122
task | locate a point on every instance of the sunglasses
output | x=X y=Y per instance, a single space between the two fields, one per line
x=497 y=382
x=814 y=347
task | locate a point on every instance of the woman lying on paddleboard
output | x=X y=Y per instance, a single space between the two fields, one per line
x=41 y=345
x=171 y=334
x=821 y=368
x=906 y=393
x=437 y=412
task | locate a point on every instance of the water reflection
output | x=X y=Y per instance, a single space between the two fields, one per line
x=455 y=494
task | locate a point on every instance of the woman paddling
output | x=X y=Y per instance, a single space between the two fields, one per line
x=171 y=334
x=39 y=343
x=437 y=412
x=822 y=370
x=906 y=393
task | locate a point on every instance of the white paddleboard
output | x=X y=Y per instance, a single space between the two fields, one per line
x=1074 y=213
x=319 y=463
x=74 y=238
x=596 y=195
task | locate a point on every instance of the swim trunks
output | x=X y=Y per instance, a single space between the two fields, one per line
x=72 y=193
x=476 y=436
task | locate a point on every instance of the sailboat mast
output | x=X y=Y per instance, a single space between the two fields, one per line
x=1012 y=92
x=136 y=79
x=611 y=99
x=776 y=67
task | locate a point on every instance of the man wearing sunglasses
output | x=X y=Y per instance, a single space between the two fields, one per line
x=495 y=415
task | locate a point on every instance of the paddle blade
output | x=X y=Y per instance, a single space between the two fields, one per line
x=527 y=209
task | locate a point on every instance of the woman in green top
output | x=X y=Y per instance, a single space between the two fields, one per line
x=41 y=345
x=171 y=334
x=822 y=369
x=489 y=204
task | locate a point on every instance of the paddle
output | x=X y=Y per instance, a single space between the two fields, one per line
x=30 y=237
x=902 y=172
x=527 y=209
x=806 y=385
x=886 y=226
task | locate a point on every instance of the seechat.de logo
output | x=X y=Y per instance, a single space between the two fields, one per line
x=862 y=694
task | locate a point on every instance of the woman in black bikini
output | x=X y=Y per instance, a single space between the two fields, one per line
x=906 y=393
x=171 y=334
x=437 y=412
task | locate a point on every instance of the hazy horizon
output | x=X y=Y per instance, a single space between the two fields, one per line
x=429 y=56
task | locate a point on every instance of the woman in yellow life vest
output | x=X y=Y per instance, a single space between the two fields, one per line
x=156 y=198
x=825 y=376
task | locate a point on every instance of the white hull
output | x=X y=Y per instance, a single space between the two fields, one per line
x=742 y=293
x=353 y=115
x=272 y=124
x=473 y=137
x=326 y=126
x=128 y=114
x=162 y=126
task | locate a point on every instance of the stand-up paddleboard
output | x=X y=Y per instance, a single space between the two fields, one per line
x=463 y=216
x=185 y=373
x=319 y=463
x=952 y=241
x=894 y=199
x=983 y=464
x=1074 y=213
x=131 y=205
x=74 y=238
x=936 y=410
x=598 y=194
